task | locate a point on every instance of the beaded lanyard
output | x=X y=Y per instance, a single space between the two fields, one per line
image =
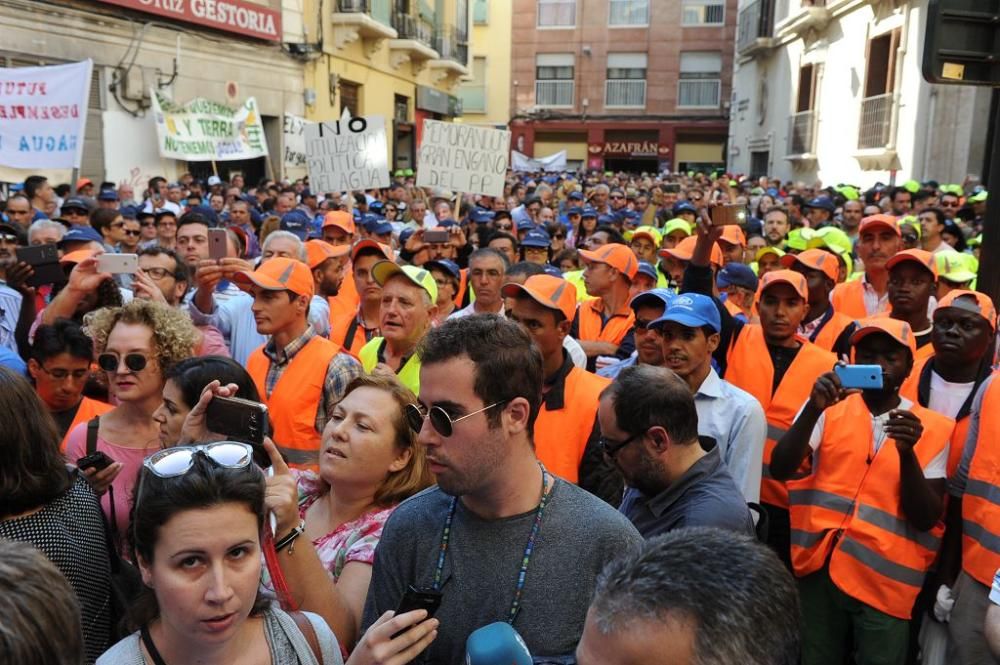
x=529 y=548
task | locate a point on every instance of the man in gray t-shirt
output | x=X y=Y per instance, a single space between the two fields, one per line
x=479 y=448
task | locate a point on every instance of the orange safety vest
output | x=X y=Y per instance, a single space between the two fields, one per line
x=848 y=298
x=832 y=330
x=848 y=512
x=88 y=409
x=463 y=283
x=981 y=501
x=344 y=329
x=617 y=326
x=749 y=367
x=733 y=308
x=296 y=399
x=561 y=436
x=347 y=296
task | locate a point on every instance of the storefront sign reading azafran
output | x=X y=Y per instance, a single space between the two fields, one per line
x=239 y=16
x=203 y=130
x=463 y=158
x=348 y=154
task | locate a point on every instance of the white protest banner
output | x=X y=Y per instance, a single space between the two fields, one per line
x=43 y=115
x=294 y=139
x=554 y=162
x=463 y=158
x=347 y=154
x=203 y=130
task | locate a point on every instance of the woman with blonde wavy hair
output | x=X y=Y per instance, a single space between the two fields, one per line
x=135 y=344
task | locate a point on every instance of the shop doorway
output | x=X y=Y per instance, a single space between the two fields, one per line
x=631 y=164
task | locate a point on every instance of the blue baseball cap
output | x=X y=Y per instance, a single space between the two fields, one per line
x=692 y=310
x=683 y=206
x=107 y=195
x=737 y=274
x=380 y=228
x=552 y=270
x=129 y=212
x=482 y=216
x=536 y=238
x=80 y=234
x=447 y=265
x=446 y=223
x=589 y=212
x=575 y=196
x=821 y=202
x=75 y=203
x=607 y=219
x=525 y=225
x=205 y=211
x=370 y=221
x=405 y=234
x=646 y=268
x=574 y=210
x=654 y=297
x=375 y=206
x=297 y=222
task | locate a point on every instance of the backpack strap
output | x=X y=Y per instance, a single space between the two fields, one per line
x=309 y=632
x=352 y=330
x=92 y=426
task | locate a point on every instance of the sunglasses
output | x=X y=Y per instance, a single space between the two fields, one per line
x=611 y=448
x=616 y=196
x=559 y=236
x=134 y=362
x=148 y=224
x=177 y=461
x=504 y=227
x=132 y=233
x=440 y=420
x=7 y=238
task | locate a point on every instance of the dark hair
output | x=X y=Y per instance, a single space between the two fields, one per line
x=489 y=252
x=193 y=374
x=525 y=268
x=194 y=218
x=156 y=500
x=646 y=396
x=939 y=215
x=101 y=218
x=614 y=235
x=954 y=230
x=503 y=234
x=181 y=272
x=33 y=183
x=63 y=336
x=729 y=588
x=567 y=254
x=508 y=365
x=154 y=182
x=898 y=190
x=32 y=470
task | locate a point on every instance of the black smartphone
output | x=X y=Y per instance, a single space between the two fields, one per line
x=45 y=261
x=240 y=420
x=436 y=236
x=415 y=599
x=671 y=187
x=96 y=460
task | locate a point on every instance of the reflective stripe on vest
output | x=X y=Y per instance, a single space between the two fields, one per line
x=847 y=513
x=981 y=501
x=296 y=399
x=561 y=436
x=614 y=330
x=750 y=368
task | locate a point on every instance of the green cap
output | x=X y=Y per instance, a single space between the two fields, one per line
x=912 y=186
x=383 y=270
x=848 y=192
x=398 y=173
x=978 y=198
x=952 y=189
x=830 y=237
x=957 y=267
x=407 y=172
x=677 y=224
x=977 y=241
x=798 y=239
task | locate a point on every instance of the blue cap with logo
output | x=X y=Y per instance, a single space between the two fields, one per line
x=588 y=211
x=821 y=202
x=737 y=274
x=81 y=234
x=607 y=219
x=297 y=222
x=653 y=297
x=536 y=238
x=684 y=206
x=482 y=216
x=447 y=265
x=525 y=225
x=574 y=210
x=107 y=195
x=75 y=203
x=692 y=310
x=575 y=196
x=646 y=268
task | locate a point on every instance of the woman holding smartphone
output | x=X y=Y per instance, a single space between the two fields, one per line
x=135 y=345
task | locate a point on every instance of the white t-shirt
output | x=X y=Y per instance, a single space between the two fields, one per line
x=947 y=397
x=936 y=468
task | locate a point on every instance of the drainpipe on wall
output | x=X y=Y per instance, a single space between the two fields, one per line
x=898 y=83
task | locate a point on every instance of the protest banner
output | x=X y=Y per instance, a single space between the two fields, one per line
x=463 y=158
x=203 y=130
x=43 y=115
x=347 y=154
x=294 y=140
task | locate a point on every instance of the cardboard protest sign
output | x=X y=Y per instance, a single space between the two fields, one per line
x=463 y=158
x=43 y=115
x=203 y=130
x=347 y=154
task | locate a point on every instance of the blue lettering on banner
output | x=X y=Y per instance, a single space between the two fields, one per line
x=41 y=143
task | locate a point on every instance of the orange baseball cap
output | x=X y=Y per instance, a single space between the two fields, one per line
x=76 y=257
x=790 y=277
x=815 y=259
x=341 y=219
x=318 y=251
x=278 y=274
x=898 y=330
x=734 y=235
x=926 y=260
x=383 y=250
x=548 y=291
x=684 y=250
x=618 y=256
x=971 y=301
x=888 y=221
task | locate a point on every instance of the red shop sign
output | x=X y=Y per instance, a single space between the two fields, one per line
x=239 y=16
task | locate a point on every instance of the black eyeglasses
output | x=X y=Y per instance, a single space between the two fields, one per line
x=440 y=420
x=611 y=448
x=504 y=227
x=60 y=374
x=130 y=232
x=559 y=236
x=134 y=362
x=158 y=273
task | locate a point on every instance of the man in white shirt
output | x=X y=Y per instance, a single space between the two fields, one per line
x=487 y=273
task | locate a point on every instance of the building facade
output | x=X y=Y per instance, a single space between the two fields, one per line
x=183 y=49
x=642 y=85
x=485 y=93
x=401 y=59
x=831 y=90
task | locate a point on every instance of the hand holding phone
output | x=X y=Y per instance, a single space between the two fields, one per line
x=96 y=460
x=728 y=214
x=116 y=264
x=240 y=420
x=436 y=236
x=416 y=599
x=44 y=261
x=859 y=377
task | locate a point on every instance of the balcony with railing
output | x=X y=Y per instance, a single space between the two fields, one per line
x=755 y=27
x=415 y=41
x=801 y=17
x=698 y=93
x=802 y=134
x=554 y=93
x=625 y=93
x=875 y=127
x=369 y=20
x=452 y=46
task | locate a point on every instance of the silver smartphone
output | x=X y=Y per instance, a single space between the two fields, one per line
x=118 y=263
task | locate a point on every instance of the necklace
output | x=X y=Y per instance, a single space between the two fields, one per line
x=529 y=548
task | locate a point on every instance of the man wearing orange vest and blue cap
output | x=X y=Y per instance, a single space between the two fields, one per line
x=603 y=325
x=299 y=375
x=566 y=431
x=867 y=519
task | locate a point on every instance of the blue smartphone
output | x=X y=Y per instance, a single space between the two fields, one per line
x=865 y=377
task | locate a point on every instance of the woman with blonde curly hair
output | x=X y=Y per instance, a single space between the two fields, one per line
x=135 y=345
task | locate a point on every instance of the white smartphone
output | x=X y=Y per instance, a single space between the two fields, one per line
x=118 y=263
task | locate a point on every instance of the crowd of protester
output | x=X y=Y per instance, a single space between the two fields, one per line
x=691 y=418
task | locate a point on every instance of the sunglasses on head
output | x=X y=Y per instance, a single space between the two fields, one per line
x=440 y=420
x=177 y=461
x=134 y=362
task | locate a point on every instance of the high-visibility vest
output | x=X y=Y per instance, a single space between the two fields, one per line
x=832 y=330
x=296 y=399
x=344 y=327
x=347 y=296
x=848 y=298
x=733 y=308
x=463 y=284
x=853 y=508
x=561 y=436
x=749 y=367
x=408 y=374
x=87 y=410
x=981 y=501
x=617 y=326
x=924 y=352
